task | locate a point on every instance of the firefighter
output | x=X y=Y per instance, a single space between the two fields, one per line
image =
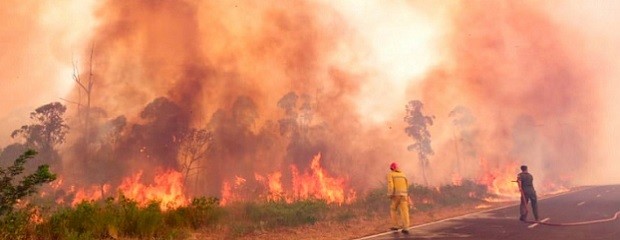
x=397 y=186
x=528 y=194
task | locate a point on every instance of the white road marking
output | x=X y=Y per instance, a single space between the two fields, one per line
x=598 y=195
x=536 y=224
x=581 y=203
x=472 y=214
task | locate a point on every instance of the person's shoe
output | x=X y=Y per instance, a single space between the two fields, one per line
x=394 y=228
x=522 y=219
x=404 y=231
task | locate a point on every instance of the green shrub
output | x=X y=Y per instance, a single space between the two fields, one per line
x=282 y=214
x=467 y=192
x=16 y=225
x=424 y=198
x=375 y=201
x=126 y=218
x=15 y=186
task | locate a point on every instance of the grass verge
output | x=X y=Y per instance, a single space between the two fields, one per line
x=204 y=218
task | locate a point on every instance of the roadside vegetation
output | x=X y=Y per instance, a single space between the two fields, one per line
x=122 y=218
x=24 y=214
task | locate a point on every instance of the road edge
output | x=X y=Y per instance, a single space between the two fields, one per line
x=575 y=189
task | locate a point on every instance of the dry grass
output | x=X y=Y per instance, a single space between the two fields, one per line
x=351 y=229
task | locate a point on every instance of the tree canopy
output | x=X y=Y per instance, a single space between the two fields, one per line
x=48 y=130
x=417 y=129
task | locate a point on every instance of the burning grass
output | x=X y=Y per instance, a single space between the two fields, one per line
x=124 y=218
x=112 y=218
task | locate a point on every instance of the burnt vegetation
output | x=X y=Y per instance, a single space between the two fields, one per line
x=164 y=138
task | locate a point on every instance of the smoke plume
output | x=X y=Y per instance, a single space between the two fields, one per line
x=226 y=91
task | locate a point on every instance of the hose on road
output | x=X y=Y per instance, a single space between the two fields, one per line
x=578 y=223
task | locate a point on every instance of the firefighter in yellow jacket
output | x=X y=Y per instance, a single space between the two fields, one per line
x=397 y=186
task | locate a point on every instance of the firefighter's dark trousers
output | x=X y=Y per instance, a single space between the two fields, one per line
x=529 y=195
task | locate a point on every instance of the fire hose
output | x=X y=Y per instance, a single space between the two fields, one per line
x=614 y=217
x=578 y=223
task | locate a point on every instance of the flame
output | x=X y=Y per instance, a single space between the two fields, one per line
x=91 y=193
x=239 y=181
x=167 y=188
x=317 y=184
x=500 y=181
x=554 y=188
x=227 y=195
x=314 y=183
x=232 y=193
x=35 y=216
x=274 y=186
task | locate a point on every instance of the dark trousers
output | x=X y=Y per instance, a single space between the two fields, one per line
x=528 y=196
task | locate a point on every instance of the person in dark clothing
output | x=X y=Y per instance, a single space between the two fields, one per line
x=528 y=194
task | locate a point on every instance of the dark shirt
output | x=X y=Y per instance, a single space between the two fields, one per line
x=526 y=179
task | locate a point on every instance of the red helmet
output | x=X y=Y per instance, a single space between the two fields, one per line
x=393 y=166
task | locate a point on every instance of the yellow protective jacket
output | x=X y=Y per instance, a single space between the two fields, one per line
x=397 y=184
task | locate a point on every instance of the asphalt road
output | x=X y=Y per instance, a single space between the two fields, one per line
x=588 y=204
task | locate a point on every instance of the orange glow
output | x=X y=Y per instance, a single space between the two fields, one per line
x=500 y=181
x=91 y=193
x=167 y=188
x=457 y=179
x=35 y=216
x=226 y=194
x=317 y=184
x=314 y=183
x=274 y=185
x=232 y=193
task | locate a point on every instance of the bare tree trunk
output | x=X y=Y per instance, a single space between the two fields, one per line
x=424 y=172
x=88 y=98
x=87 y=88
x=456 y=150
x=186 y=177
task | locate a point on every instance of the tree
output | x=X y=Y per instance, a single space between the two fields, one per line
x=159 y=137
x=288 y=124
x=417 y=129
x=195 y=146
x=296 y=121
x=461 y=119
x=11 y=192
x=87 y=87
x=244 y=112
x=48 y=130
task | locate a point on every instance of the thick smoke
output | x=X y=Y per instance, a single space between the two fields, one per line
x=37 y=49
x=523 y=76
x=171 y=66
x=275 y=84
x=256 y=87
